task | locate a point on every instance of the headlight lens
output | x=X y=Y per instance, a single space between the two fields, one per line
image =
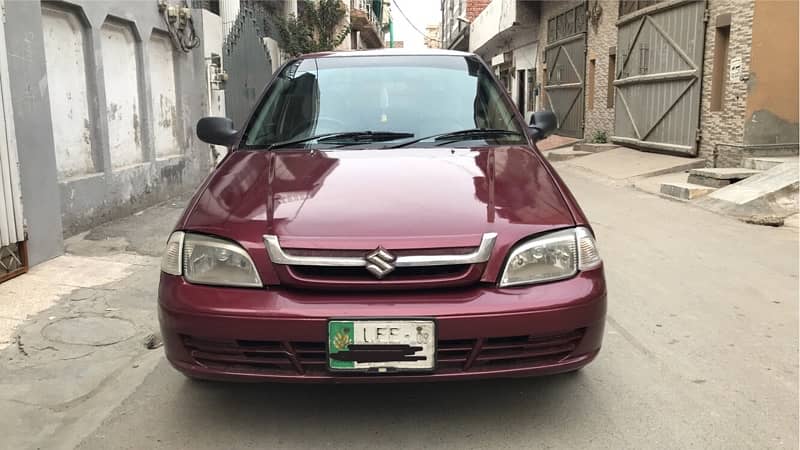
x=551 y=257
x=209 y=260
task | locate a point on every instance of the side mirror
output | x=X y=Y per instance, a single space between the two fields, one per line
x=541 y=124
x=217 y=131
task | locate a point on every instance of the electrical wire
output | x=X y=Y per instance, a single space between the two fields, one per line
x=425 y=35
x=185 y=38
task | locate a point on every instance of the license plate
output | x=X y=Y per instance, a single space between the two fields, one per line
x=381 y=345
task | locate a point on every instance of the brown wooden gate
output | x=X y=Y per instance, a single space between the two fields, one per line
x=659 y=62
x=565 y=56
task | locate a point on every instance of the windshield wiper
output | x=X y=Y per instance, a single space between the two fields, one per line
x=354 y=136
x=455 y=136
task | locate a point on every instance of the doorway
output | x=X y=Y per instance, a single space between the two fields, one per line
x=521 y=85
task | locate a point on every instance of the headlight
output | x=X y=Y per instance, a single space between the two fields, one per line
x=551 y=257
x=208 y=260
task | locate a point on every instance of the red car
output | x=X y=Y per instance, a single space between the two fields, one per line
x=382 y=216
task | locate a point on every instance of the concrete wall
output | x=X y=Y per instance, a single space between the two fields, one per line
x=771 y=115
x=164 y=98
x=37 y=157
x=122 y=88
x=64 y=41
x=91 y=148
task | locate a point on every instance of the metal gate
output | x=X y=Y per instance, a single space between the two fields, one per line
x=565 y=56
x=247 y=62
x=13 y=259
x=660 y=57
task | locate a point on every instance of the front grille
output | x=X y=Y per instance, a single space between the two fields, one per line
x=452 y=356
x=505 y=352
x=310 y=268
x=257 y=356
x=361 y=274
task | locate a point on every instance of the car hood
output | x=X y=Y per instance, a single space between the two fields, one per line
x=360 y=199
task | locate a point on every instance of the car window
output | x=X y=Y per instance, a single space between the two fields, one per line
x=423 y=95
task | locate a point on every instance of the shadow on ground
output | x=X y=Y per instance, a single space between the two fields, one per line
x=202 y=414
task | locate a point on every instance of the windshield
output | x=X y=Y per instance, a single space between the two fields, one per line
x=413 y=96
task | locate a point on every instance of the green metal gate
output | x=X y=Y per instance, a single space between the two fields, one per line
x=565 y=56
x=660 y=57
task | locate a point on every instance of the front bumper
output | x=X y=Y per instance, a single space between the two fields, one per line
x=483 y=331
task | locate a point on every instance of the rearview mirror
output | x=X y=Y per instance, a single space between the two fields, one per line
x=541 y=124
x=217 y=131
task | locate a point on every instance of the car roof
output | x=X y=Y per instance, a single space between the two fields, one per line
x=387 y=52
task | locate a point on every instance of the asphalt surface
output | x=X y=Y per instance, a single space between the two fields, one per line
x=701 y=351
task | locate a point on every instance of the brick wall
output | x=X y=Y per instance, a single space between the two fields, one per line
x=726 y=126
x=475 y=7
x=602 y=35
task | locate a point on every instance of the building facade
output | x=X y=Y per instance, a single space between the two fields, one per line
x=697 y=78
x=368 y=20
x=100 y=113
x=433 y=38
x=457 y=15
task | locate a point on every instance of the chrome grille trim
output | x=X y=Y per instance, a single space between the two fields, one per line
x=480 y=255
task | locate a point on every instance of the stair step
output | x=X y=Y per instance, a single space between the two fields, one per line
x=719 y=177
x=565 y=154
x=766 y=162
x=685 y=191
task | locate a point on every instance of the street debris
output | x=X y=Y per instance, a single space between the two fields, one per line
x=152 y=341
x=767 y=220
x=20 y=345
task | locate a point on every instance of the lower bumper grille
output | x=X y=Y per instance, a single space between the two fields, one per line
x=452 y=356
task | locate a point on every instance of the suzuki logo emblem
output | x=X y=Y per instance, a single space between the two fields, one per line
x=380 y=262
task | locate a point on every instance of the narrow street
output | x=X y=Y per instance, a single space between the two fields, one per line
x=700 y=352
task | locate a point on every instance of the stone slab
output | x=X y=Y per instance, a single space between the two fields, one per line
x=724 y=173
x=773 y=191
x=685 y=191
x=766 y=163
x=623 y=163
x=708 y=181
x=652 y=185
x=554 y=141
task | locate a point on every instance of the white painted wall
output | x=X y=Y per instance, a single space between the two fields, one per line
x=228 y=10
x=122 y=95
x=69 y=106
x=212 y=44
x=275 y=53
x=498 y=16
x=162 y=83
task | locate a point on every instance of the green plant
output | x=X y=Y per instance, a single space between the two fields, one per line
x=315 y=29
x=599 y=137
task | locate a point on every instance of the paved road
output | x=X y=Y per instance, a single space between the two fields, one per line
x=701 y=351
